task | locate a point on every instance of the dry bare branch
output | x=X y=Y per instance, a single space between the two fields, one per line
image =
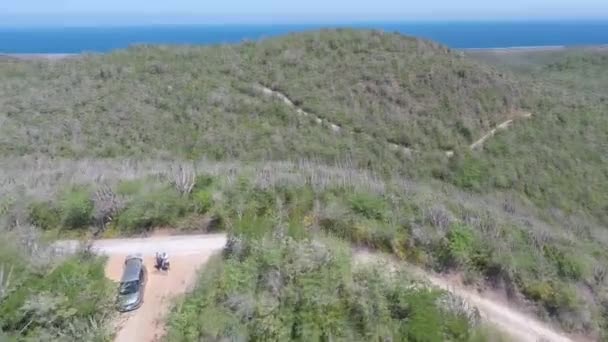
x=5 y=280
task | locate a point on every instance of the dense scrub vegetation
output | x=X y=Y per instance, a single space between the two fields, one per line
x=581 y=70
x=412 y=92
x=202 y=101
x=557 y=158
x=494 y=240
x=194 y=102
x=284 y=289
x=47 y=297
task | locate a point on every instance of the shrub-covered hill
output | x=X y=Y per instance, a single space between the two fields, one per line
x=202 y=101
x=558 y=158
x=528 y=212
x=411 y=91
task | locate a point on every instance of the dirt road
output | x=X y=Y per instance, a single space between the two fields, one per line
x=517 y=325
x=187 y=254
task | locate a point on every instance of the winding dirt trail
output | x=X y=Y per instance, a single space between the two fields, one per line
x=519 y=326
x=504 y=125
x=331 y=125
x=408 y=151
x=273 y=93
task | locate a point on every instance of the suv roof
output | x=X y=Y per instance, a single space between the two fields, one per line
x=133 y=267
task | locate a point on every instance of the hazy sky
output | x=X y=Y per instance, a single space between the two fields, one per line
x=302 y=10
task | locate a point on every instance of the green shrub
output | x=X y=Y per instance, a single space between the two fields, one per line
x=468 y=171
x=462 y=248
x=566 y=264
x=554 y=296
x=76 y=208
x=131 y=187
x=461 y=242
x=297 y=200
x=456 y=249
x=44 y=215
x=202 y=182
x=252 y=226
x=338 y=227
x=159 y=207
x=202 y=201
x=369 y=206
x=261 y=202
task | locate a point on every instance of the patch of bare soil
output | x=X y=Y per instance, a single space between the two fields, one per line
x=147 y=323
x=187 y=256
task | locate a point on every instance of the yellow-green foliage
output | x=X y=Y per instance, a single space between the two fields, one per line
x=76 y=208
x=73 y=209
x=369 y=206
x=553 y=295
x=153 y=208
x=44 y=215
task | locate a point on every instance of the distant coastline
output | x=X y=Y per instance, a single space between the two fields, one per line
x=539 y=48
x=456 y=35
x=61 y=56
x=516 y=48
x=32 y=56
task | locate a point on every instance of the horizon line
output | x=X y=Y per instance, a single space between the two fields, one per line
x=200 y=21
x=179 y=18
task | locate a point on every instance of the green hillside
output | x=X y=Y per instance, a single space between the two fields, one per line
x=558 y=159
x=197 y=102
x=524 y=214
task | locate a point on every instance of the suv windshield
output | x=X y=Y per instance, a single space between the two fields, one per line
x=128 y=287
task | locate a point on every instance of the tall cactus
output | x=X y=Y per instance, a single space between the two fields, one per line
x=107 y=205
x=184 y=180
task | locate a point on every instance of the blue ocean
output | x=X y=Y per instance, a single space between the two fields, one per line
x=453 y=34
